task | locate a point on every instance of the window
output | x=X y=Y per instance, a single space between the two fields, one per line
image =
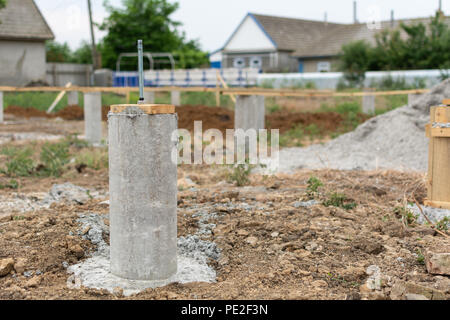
x=256 y=62
x=323 y=66
x=239 y=63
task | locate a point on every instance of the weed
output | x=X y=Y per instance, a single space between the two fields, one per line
x=53 y=158
x=339 y=200
x=406 y=214
x=420 y=257
x=240 y=174
x=12 y=184
x=293 y=137
x=19 y=163
x=94 y=159
x=313 y=187
x=443 y=224
x=73 y=140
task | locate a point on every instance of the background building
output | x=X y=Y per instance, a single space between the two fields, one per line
x=277 y=44
x=23 y=32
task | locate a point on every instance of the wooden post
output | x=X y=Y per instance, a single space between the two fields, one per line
x=217 y=87
x=438 y=131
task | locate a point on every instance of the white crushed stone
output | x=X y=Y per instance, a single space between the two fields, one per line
x=434 y=214
x=394 y=140
x=193 y=256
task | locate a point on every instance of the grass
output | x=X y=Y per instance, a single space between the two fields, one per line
x=406 y=215
x=339 y=200
x=50 y=159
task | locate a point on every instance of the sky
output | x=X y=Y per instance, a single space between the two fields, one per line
x=213 y=21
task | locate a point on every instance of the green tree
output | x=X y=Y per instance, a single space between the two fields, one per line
x=2 y=3
x=57 y=52
x=149 y=20
x=83 y=54
x=409 y=47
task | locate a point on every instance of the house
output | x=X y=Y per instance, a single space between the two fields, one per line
x=277 y=44
x=23 y=32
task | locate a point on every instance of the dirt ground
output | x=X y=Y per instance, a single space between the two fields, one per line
x=271 y=248
x=274 y=242
x=212 y=117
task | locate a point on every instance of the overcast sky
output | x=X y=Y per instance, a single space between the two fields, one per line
x=213 y=21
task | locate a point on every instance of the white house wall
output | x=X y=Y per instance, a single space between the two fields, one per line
x=249 y=37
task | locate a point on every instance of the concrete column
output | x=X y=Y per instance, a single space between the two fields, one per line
x=368 y=103
x=149 y=97
x=93 y=117
x=249 y=112
x=175 y=98
x=143 y=194
x=72 y=98
x=1 y=106
x=412 y=98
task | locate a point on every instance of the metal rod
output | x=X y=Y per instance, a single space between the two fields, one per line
x=141 y=71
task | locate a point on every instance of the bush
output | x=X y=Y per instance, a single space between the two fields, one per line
x=339 y=200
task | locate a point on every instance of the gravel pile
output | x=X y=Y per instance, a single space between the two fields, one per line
x=394 y=140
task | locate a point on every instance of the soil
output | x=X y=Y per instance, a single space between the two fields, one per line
x=212 y=117
x=271 y=248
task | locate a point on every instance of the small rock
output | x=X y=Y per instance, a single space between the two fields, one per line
x=252 y=240
x=413 y=296
x=33 y=282
x=65 y=264
x=28 y=274
x=438 y=263
x=118 y=292
x=274 y=234
x=77 y=250
x=311 y=246
x=20 y=265
x=242 y=232
x=6 y=266
x=171 y=295
x=86 y=230
x=353 y=296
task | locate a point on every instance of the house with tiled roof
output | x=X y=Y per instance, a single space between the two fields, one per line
x=278 y=44
x=23 y=32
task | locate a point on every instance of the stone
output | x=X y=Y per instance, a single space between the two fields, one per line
x=429 y=293
x=6 y=266
x=320 y=284
x=437 y=263
x=242 y=232
x=274 y=234
x=252 y=240
x=77 y=250
x=118 y=292
x=20 y=265
x=33 y=282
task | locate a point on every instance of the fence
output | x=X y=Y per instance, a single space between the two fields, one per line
x=330 y=80
x=188 y=78
x=58 y=74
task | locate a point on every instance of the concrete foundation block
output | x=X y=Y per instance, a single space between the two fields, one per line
x=72 y=98
x=1 y=107
x=368 y=103
x=93 y=117
x=175 y=98
x=249 y=112
x=149 y=97
x=143 y=195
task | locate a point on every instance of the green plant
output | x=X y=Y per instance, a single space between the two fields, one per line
x=420 y=257
x=293 y=137
x=19 y=163
x=53 y=158
x=73 y=140
x=313 y=186
x=93 y=158
x=405 y=214
x=339 y=200
x=240 y=174
x=443 y=224
x=12 y=184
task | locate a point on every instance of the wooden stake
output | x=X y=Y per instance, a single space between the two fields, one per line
x=58 y=98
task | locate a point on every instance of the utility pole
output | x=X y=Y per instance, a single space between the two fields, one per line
x=94 y=49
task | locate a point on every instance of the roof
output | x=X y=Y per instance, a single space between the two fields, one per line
x=22 y=19
x=307 y=38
